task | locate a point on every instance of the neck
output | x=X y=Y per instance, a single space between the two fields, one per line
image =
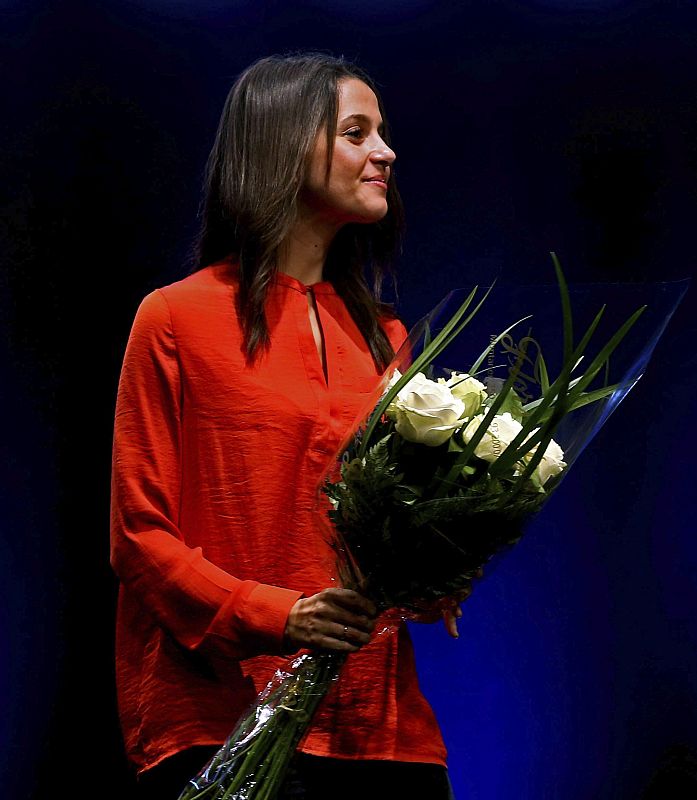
x=304 y=251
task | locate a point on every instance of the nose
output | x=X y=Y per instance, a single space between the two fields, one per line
x=383 y=154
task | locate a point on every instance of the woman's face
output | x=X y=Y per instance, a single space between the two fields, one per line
x=356 y=188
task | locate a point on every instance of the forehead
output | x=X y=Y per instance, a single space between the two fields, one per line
x=357 y=98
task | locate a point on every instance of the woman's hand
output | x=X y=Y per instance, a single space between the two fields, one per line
x=448 y=609
x=452 y=611
x=333 y=619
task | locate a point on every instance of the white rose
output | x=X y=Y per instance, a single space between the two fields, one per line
x=500 y=433
x=396 y=375
x=471 y=391
x=552 y=461
x=425 y=411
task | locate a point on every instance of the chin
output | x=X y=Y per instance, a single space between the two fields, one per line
x=372 y=215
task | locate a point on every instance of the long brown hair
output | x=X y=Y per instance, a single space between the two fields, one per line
x=255 y=171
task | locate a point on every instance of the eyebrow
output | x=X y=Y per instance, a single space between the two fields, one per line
x=362 y=118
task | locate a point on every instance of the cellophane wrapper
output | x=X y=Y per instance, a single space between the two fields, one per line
x=417 y=525
x=405 y=532
x=254 y=761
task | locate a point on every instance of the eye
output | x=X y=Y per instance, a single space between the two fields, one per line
x=355 y=133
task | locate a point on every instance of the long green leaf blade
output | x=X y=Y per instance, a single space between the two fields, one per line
x=473 y=369
x=438 y=344
x=565 y=309
x=599 y=361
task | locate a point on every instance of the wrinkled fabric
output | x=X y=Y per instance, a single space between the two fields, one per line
x=216 y=530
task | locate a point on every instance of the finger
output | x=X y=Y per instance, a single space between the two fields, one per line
x=332 y=643
x=353 y=601
x=450 y=624
x=326 y=637
x=365 y=624
x=340 y=616
x=346 y=633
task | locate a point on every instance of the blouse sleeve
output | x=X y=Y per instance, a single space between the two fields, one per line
x=202 y=606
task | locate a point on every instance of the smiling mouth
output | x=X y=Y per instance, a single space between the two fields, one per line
x=376 y=182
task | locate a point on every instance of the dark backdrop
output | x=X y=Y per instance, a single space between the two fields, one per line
x=520 y=127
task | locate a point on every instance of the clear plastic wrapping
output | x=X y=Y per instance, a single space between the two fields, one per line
x=415 y=504
x=255 y=758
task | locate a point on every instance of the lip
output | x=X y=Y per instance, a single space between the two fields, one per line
x=378 y=180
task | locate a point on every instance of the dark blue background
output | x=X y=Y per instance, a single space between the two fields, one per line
x=520 y=127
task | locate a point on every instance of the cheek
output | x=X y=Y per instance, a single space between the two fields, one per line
x=314 y=185
x=347 y=165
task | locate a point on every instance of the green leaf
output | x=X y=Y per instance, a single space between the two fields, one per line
x=555 y=396
x=475 y=367
x=429 y=353
x=416 y=490
x=565 y=309
x=541 y=372
x=514 y=405
x=602 y=357
x=443 y=485
x=586 y=398
x=454 y=445
x=451 y=330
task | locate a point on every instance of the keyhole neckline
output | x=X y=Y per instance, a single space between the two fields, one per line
x=321 y=287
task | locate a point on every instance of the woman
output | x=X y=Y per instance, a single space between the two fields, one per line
x=239 y=382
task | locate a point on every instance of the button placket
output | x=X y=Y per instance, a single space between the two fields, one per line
x=313 y=369
x=322 y=349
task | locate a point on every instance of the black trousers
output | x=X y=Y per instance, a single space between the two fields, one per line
x=313 y=778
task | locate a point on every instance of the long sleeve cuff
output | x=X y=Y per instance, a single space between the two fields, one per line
x=255 y=616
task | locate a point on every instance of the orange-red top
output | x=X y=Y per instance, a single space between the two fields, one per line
x=214 y=522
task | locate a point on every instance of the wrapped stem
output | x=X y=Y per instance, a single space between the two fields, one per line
x=254 y=761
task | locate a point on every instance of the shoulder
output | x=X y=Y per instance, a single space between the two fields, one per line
x=197 y=299
x=200 y=306
x=215 y=280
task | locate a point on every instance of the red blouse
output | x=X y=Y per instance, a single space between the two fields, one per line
x=214 y=522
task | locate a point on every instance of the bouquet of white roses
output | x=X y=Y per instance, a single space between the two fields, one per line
x=446 y=471
x=442 y=473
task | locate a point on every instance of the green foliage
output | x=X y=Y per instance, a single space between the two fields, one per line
x=511 y=403
x=419 y=521
x=414 y=550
